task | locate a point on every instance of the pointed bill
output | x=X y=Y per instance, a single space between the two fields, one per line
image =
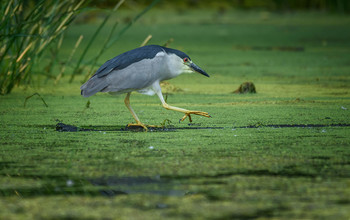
x=197 y=69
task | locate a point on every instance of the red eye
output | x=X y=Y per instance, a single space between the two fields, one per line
x=185 y=59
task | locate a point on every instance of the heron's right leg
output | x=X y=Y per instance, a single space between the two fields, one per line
x=187 y=112
x=138 y=122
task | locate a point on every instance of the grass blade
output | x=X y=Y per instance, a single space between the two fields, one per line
x=154 y=2
x=147 y=39
x=77 y=68
x=69 y=58
x=27 y=32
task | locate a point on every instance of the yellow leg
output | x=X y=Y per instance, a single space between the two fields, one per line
x=187 y=112
x=138 y=122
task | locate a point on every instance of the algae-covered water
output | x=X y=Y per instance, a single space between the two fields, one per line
x=283 y=152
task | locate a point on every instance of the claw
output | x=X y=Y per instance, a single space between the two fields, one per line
x=188 y=114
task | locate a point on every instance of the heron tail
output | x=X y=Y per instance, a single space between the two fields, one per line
x=93 y=85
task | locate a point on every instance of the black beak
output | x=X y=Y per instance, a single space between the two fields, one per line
x=197 y=69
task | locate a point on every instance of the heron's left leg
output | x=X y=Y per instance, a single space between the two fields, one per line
x=187 y=112
x=138 y=122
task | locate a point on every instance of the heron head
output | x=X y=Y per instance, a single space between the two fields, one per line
x=192 y=67
x=181 y=62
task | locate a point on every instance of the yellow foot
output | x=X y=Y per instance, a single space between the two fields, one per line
x=188 y=114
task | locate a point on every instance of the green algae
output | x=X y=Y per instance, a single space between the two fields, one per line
x=241 y=165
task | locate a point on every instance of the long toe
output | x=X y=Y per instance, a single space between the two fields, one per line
x=188 y=114
x=205 y=114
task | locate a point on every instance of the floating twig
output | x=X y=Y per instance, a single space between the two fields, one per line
x=25 y=101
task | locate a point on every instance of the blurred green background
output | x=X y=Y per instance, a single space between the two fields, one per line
x=340 y=6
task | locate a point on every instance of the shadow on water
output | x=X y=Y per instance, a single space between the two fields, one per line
x=104 y=186
x=47 y=185
x=50 y=185
x=131 y=185
x=61 y=127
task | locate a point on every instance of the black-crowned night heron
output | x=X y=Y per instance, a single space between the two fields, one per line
x=142 y=70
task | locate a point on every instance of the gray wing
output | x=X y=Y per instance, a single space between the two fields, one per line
x=126 y=59
x=118 y=75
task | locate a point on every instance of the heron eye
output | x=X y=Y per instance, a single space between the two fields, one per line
x=185 y=59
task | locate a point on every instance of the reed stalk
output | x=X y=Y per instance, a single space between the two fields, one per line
x=28 y=30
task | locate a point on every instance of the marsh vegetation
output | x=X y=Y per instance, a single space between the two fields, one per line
x=282 y=152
